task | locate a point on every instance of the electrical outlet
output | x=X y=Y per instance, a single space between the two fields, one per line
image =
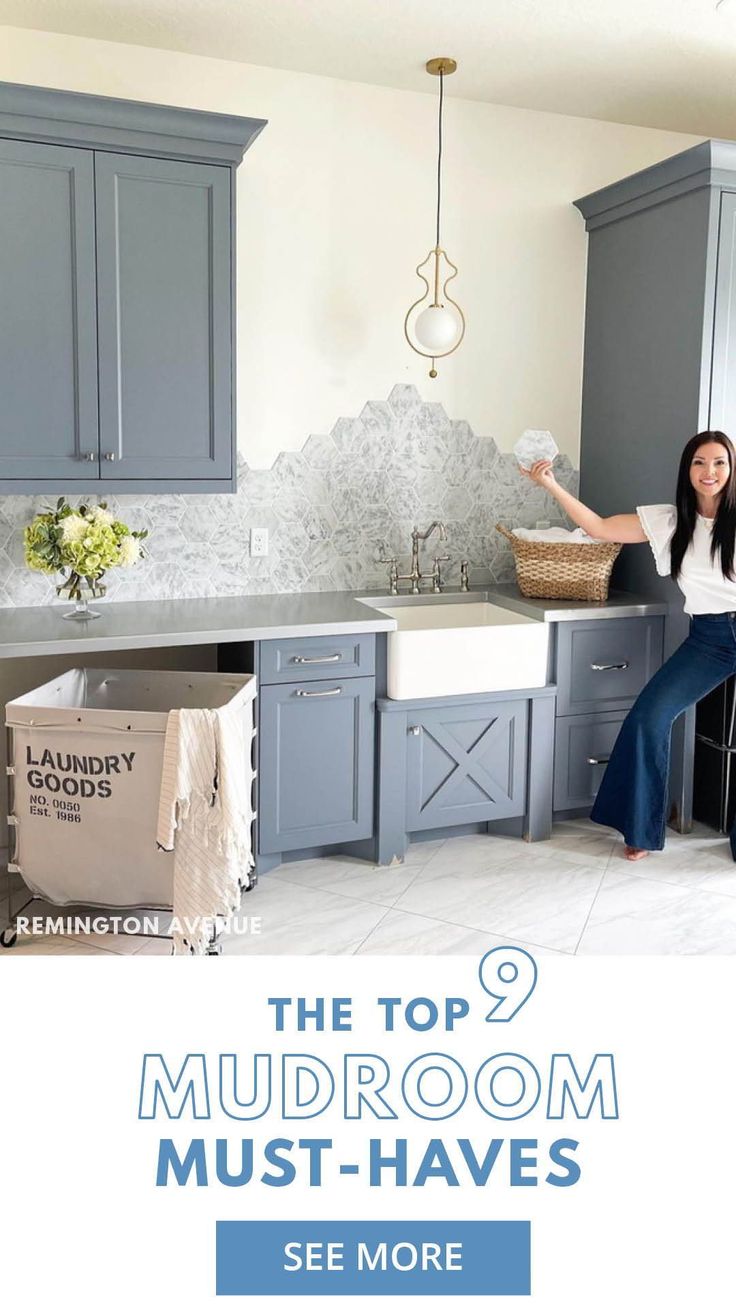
x=259 y=541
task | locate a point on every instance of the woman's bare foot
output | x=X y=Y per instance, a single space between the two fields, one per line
x=632 y=854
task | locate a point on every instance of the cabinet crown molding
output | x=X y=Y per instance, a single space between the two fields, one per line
x=711 y=164
x=71 y=118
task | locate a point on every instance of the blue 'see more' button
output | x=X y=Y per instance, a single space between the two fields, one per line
x=263 y=1258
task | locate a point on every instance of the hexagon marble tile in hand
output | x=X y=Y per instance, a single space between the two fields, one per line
x=332 y=509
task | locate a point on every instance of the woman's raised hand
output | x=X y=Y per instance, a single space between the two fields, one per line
x=541 y=473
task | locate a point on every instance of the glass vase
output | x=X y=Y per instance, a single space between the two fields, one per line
x=81 y=590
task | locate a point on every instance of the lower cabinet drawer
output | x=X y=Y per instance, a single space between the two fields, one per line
x=582 y=748
x=315 y=765
x=466 y=764
x=602 y=664
x=318 y=657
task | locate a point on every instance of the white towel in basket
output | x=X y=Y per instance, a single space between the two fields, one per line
x=205 y=816
x=576 y=537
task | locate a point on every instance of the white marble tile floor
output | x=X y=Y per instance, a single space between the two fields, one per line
x=573 y=894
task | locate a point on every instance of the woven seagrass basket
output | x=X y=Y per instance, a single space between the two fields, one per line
x=558 y=570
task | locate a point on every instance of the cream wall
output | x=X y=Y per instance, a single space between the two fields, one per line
x=335 y=211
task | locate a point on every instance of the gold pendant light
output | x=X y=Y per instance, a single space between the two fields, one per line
x=435 y=323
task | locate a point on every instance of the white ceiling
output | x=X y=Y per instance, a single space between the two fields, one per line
x=657 y=63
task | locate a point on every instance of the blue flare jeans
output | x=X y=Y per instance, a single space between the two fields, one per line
x=633 y=796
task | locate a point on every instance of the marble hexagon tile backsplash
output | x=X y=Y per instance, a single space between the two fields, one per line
x=331 y=508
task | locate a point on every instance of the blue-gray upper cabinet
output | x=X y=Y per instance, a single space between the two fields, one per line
x=164 y=325
x=117 y=277
x=48 y=332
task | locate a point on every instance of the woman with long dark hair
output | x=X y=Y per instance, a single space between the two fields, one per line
x=692 y=542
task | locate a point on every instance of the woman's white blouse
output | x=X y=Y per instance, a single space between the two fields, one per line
x=701 y=581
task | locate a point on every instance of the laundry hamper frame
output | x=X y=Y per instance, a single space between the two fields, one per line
x=9 y=933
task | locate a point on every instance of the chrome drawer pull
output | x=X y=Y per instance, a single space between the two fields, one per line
x=595 y=761
x=608 y=667
x=324 y=658
x=318 y=694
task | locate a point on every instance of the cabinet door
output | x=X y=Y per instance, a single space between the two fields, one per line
x=466 y=764
x=48 y=334
x=315 y=764
x=164 y=276
x=723 y=380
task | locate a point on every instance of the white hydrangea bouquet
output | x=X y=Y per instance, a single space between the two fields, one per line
x=81 y=544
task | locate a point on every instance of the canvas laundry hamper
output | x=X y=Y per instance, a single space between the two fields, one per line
x=85 y=754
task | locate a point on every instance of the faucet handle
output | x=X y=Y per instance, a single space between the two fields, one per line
x=393 y=573
x=465 y=574
x=437 y=578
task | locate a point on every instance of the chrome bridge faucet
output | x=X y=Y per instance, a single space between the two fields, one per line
x=416 y=576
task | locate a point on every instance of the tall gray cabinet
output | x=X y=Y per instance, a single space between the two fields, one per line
x=117 y=268
x=660 y=354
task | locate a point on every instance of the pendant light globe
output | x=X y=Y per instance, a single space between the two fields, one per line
x=437 y=329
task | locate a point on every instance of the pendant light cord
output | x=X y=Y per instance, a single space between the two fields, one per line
x=439 y=157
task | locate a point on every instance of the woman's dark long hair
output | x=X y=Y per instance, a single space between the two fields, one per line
x=724 y=526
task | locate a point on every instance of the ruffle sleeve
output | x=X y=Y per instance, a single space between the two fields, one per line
x=658 y=522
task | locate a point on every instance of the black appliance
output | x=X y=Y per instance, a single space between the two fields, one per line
x=714 y=791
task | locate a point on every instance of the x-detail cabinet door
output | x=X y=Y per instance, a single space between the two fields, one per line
x=466 y=764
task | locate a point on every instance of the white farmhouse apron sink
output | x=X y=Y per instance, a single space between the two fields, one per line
x=443 y=647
